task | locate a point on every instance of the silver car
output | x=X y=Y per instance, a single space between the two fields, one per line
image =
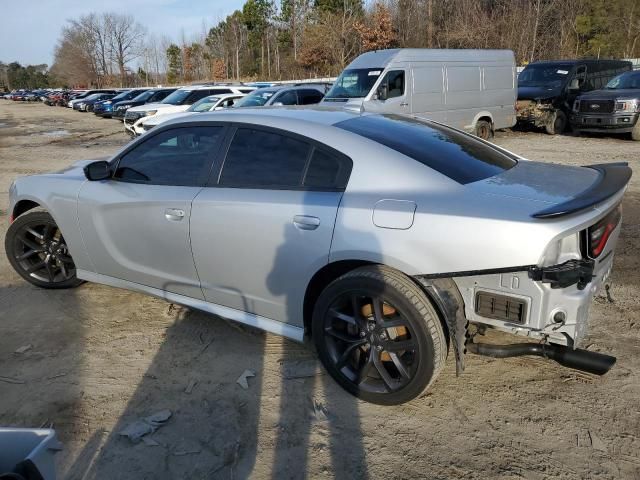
x=386 y=239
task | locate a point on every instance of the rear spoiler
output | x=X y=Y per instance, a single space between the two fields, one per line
x=613 y=178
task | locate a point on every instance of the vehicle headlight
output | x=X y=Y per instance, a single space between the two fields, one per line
x=123 y=107
x=150 y=112
x=627 y=106
x=108 y=102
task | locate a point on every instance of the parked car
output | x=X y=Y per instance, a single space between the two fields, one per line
x=546 y=90
x=473 y=90
x=207 y=104
x=86 y=104
x=299 y=94
x=104 y=108
x=613 y=109
x=179 y=101
x=276 y=218
x=154 y=95
x=78 y=98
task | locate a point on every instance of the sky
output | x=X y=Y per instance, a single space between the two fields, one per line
x=29 y=29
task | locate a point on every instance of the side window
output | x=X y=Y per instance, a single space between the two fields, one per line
x=180 y=156
x=196 y=95
x=156 y=97
x=286 y=98
x=392 y=85
x=309 y=97
x=258 y=158
x=580 y=77
x=228 y=102
x=327 y=171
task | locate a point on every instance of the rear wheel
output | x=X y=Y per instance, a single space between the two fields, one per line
x=378 y=335
x=37 y=250
x=484 y=130
x=557 y=123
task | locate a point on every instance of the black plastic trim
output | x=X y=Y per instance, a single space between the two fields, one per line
x=613 y=177
x=565 y=274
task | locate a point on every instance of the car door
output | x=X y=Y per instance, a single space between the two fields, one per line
x=264 y=226
x=136 y=224
x=391 y=94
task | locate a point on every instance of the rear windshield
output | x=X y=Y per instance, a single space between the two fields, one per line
x=459 y=156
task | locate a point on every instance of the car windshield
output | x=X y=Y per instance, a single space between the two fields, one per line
x=457 y=155
x=354 y=83
x=93 y=97
x=627 y=80
x=144 y=96
x=256 y=99
x=177 y=97
x=544 y=75
x=123 y=95
x=204 y=105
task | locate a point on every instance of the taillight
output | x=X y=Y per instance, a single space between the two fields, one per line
x=598 y=234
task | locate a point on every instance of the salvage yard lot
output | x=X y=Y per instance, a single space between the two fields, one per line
x=92 y=360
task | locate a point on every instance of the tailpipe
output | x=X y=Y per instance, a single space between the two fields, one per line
x=578 y=359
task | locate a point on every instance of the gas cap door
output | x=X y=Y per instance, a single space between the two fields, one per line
x=395 y=214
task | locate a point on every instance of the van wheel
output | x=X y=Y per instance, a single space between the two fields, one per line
x=557 y=124
x=378 y=335
x=635 y=133
x=484 y=130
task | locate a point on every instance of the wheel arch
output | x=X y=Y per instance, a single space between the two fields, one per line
x=23 y=206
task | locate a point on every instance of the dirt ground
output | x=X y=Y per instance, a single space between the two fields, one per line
x=97 y=358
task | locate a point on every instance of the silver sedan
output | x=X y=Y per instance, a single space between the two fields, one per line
x=389 y=241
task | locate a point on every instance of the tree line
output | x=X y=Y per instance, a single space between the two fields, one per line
x=284 y=39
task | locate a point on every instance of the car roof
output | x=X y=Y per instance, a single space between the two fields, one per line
x=576 y=61
x=318 y=115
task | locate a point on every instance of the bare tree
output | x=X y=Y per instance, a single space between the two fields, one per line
x=126 y=37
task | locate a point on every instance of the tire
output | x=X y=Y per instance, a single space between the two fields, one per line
x=362 y=321
x=484 y=130
x=558 y=123
x=38 y=252
x=635 y=133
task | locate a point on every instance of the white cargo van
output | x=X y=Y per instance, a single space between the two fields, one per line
x=474 y=90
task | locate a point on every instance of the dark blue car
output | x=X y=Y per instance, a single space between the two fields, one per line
x=104 y=108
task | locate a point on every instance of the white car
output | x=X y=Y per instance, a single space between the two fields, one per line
x=207 y=104
x=180 y=101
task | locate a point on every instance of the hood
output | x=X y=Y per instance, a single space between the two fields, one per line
x=148 y=106
x=539 y=184
x=161 y=118
x=165 y=108
x=612 y=94
x=353 y=104
x=538 y=93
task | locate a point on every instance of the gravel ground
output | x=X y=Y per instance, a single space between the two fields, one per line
x=99 y=358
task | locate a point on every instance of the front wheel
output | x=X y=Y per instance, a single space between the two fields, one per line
x=378 y=335
x=38 y=252
x=557 y=124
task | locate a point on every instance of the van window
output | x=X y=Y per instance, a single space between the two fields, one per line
x=463 y=79
x=459 y=156
x=392 y=85
x=354 y=83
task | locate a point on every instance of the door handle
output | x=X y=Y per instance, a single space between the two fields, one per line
x=306 y=222
x=174 y=214
x=404 y=104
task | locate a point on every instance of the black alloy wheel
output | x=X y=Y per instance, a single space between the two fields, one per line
x=38 y=252
x=378 y=335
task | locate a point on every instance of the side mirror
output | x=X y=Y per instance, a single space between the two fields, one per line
x=278 y=104
x=382 y=92
x=574 y=84
x=99 y=170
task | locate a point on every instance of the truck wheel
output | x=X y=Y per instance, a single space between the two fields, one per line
x=635 y=133
x=557 y=124
x=378 y=335
x=484 y=130
x=38 y=252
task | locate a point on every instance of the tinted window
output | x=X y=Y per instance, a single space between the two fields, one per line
x=181 y=156
x=327 y=171
x=286 y=98
x=459 y=156
x=258 y=158
x=309 y=97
